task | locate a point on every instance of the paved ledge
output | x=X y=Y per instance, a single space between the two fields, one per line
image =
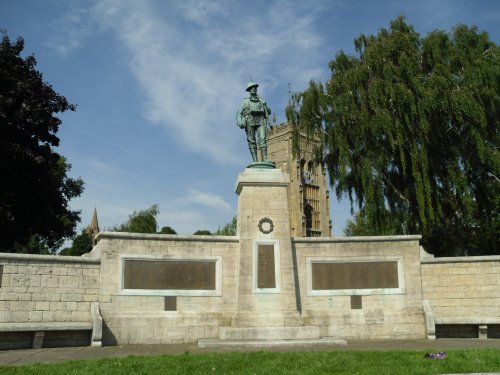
x=48 y=258
x=467 y=320
x=45 y=326
x=356 y=239
x=164 y=237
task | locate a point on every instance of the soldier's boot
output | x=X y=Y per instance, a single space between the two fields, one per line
x=253 y=151
x=263 y=151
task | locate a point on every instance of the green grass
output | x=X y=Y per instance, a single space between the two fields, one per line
x=334 y=362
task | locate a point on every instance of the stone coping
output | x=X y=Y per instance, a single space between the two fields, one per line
x=261 y=177
x=47 y=258
x=356 y=239
x=164 y=237
x=471 y=259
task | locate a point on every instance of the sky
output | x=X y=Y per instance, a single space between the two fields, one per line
x=157 y=84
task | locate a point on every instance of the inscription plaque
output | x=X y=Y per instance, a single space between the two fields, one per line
x=171 y=274
x=266 y=277
x=1 y=275
x=354 y=275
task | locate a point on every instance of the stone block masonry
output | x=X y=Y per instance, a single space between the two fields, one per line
x=463 y=294
x=44 y=290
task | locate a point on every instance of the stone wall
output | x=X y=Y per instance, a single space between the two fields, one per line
x=46 y=289
x=364 y=313
x=381 y=295
x=462 y=287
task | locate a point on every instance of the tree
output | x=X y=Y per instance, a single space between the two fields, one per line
x=81 y=244
x=34 y=187
x=167 y=230
x=140 y=222
x=228 y=229
x=410 y=126
x=202 y=232
x=387 y=225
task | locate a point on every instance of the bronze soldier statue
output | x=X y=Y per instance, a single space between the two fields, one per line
x=253 y=116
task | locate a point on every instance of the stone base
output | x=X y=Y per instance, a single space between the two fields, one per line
x=268 y=333
x=218 y=344
x=262 y=165
x=267 y=319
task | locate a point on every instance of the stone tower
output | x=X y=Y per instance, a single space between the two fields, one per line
x=308 y=194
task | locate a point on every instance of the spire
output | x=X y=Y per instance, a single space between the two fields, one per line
x=93 y=227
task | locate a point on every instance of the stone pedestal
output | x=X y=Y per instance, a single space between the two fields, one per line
x=266 y=288
x=267 y=304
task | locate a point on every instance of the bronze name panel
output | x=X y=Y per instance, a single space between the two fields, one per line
x=171 y=274
x=354 y=275
x=266 y=277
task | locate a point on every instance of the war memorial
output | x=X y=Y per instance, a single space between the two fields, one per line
x=282 y=280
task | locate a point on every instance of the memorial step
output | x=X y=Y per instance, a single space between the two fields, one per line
x=220 y=344
x=268 y=333
x=278 y=319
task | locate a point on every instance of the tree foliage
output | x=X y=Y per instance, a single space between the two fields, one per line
x=167 y=230
x=202 y=232
x=81 y=244
x=387 y=225
x=228 y=229
x=140 y=222
x=410 y=127
x=34 y=187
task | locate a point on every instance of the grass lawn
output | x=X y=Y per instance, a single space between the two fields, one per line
x=334 y=362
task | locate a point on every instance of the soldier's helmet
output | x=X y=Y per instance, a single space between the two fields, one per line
x=251 y=84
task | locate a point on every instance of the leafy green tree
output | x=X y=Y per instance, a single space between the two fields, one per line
x=34 y=245
x=387 y=225
x=228 y=229
x=81 y=244
x=411 y=126
x=34 y=187
x=202 y=232
x=167 y=230
x=140 y=222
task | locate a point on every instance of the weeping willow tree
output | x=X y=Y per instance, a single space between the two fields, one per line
x=410 y=131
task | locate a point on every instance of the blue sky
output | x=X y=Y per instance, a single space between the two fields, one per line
x=157 y=85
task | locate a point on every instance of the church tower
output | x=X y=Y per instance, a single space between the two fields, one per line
x=308 y=194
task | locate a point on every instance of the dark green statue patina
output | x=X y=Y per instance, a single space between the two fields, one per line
x=253 y=116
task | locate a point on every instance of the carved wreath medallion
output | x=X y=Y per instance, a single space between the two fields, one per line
x=266 y=225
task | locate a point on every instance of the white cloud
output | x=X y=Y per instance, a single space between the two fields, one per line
x=70 y=31
x=193 y=60
x=208 y=199
x=202 y=11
